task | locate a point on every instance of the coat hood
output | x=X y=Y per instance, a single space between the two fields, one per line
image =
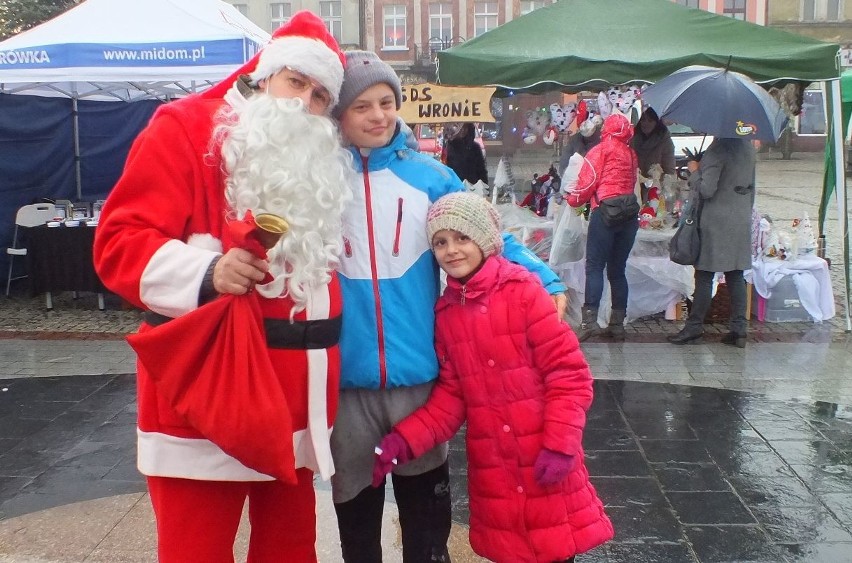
x=618 y=127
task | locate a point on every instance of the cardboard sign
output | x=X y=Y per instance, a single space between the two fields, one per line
x=431 y=103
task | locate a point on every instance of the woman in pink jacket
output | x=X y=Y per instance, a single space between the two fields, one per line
x=608 y=175
x=516 y=374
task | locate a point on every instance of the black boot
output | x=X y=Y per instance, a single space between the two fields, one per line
x=734 y=339
x=615 y=330
x=689 y=335
x=589 y=326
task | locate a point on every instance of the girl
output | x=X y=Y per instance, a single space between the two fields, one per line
x=516 y=374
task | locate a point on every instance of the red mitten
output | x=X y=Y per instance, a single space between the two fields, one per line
x=392 y=450
x=552 y=467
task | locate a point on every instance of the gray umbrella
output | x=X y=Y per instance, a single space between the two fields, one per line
x=717 y=102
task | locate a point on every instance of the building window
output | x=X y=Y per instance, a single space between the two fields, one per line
x=528 y=6
x=395 y=30
x=330 y=14
x=735 y=9
x=821 y=10
x=688 y=3
x=242 y=8
x=484 y=17
x=280 y=13
x=441 y=22
x=832 y=10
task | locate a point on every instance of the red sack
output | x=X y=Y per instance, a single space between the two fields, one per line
x=213 y=367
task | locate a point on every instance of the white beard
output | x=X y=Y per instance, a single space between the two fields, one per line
x=280 y=159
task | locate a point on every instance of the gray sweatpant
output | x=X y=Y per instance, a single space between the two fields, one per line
x=364 y=416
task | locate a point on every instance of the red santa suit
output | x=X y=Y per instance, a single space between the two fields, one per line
x=160 y=229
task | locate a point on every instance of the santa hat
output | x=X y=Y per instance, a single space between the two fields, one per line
x=304 y=44
x=469 y=214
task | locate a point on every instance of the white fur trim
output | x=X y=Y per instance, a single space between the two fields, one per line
x=319 y=307
x=163 y=455
x=206 y=241
x=311 y=57
x=172 y=278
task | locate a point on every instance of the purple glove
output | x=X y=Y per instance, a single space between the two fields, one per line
x=552 y=467
x=392 y=450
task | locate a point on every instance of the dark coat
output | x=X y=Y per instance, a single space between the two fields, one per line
x=465 y=157
x=725 y=183
x=656 y=148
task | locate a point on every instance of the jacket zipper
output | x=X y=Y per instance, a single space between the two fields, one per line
x=398 y=227
x=380 y=332
x=464 y=290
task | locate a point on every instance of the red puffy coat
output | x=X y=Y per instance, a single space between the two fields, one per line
x=517 y=375
x=610 y=166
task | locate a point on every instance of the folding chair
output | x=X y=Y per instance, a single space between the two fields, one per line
x=27 y=216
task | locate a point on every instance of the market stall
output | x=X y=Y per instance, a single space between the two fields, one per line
x=616 y=50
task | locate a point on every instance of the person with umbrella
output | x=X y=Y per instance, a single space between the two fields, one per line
x=736 y=111
x=722 y=185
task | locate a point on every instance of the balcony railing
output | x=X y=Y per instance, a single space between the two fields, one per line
x=436 y=44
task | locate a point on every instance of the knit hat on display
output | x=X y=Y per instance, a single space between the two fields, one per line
x=363 y=70
x=469 y=214
x=302 y=43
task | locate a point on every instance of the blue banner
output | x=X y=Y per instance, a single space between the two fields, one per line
x=186 y=53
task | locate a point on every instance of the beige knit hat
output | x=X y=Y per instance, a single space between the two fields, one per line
x=469 y=214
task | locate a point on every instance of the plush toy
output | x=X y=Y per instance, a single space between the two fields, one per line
x=645 y=215
x=582 y=112
x=604 y=105
x=541 y=121
x=654 y=200
x=592 y=124
x=529 y=134
x=569 y=113
x=636 y=91
x=550 y=135
x=557 y=117
x=785 y=246
x=621 y=99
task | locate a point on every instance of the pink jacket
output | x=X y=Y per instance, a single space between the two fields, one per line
x=610 y=166
x=516 y=374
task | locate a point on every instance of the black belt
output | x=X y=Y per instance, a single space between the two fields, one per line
x=286 y=335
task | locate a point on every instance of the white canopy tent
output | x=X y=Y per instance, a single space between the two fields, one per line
x=128 y=50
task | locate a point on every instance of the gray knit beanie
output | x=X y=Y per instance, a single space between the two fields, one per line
x=363 y=70
x=469 y=214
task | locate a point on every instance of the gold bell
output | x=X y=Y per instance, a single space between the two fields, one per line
x=270 y=228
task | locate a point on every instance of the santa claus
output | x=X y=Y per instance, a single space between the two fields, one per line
x=168 y=241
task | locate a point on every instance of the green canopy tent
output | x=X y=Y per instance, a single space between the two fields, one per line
x=834 y=166
x=575 y=45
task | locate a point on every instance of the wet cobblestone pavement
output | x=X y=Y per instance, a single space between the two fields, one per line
x=687 y=473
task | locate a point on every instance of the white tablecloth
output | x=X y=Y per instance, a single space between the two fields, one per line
x=655 y=283
x=809 y=273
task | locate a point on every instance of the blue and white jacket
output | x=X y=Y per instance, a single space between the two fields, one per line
x=388 y=273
